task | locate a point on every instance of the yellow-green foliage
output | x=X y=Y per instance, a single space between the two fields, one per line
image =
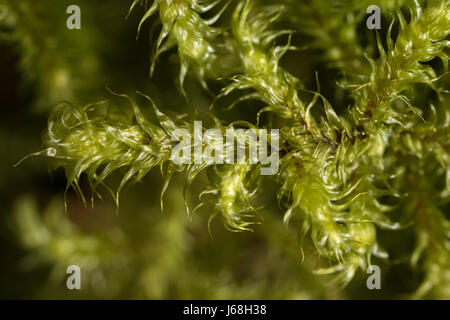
x=346 y=172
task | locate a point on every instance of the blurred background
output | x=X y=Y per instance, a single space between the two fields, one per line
x=139 y=252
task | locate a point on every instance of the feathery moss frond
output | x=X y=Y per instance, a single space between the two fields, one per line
x=337 y=168
x=195 y=37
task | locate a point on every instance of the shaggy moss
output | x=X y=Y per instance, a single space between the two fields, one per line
x=338 y=168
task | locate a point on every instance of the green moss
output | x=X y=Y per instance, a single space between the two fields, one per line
x=339 y=165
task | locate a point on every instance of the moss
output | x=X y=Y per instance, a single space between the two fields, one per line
x=338 y=164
